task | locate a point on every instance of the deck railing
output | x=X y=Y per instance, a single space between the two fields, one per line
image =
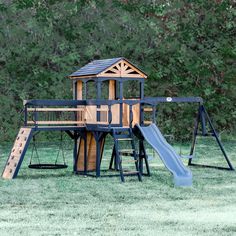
x=94 y=112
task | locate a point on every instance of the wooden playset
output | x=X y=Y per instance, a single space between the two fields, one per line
x=88 y=121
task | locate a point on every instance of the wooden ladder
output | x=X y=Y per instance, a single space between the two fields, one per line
x=124 y=135
x=17 y=153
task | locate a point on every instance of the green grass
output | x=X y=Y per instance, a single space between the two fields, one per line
x=56 y=202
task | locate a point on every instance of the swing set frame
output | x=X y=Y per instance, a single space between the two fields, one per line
x=202 y=119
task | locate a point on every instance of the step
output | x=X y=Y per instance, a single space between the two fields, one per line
x=127 y=152
x=124 y=139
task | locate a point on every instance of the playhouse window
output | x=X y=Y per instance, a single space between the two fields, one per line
x=105 y=90
x=91 y=90
x=131 y=89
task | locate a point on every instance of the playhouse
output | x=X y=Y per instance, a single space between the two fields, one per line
x=97 y=111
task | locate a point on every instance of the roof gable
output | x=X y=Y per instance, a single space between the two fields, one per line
x=115 y=67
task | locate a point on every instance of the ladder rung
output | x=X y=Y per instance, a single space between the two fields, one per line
x=129 y=161
x=127 y=150
x=124 y=139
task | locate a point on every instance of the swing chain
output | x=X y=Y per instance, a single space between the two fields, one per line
x=34 y=150
x=61 y=148
x=47 y=166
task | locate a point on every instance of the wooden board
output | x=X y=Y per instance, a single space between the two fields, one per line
x=115 y=110
x=112 y=90
x=122 y=69
x=136 y=113
x=79 y=90
x=91 y=153
x=17 y=154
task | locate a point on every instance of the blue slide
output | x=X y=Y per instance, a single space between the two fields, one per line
x=172 y=161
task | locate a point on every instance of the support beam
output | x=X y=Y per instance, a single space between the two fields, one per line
x=75 y=152
x=79 y=90
x=214 y=134
x=112 y=90
x=121 y=105
x=72 y=136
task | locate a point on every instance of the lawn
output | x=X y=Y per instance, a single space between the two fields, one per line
x=57 y=202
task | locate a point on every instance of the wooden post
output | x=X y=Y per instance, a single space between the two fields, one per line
x=79 y=90
x=112 y=90
x=121 y=105
x=75 y=152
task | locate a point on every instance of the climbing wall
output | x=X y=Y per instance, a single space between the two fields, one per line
x=17 y=154
x=91 y=153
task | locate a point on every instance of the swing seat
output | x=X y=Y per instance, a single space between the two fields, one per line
x=47 y=166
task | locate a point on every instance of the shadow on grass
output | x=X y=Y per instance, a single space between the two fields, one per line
x=45 y=175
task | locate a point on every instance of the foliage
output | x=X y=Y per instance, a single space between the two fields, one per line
x=187 y=48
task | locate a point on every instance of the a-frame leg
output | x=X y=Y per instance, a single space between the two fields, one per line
x=99 y=136
x=203 y=117
x=195 y=133
x=143 y=156
x=112 y=161
x=217 y=139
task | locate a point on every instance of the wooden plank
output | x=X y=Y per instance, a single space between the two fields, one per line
x=135 y=69
x=118 y=66
x=114 y=70
x=148 y=109
x=128 y=71
x=112 y=90
x=79 y=90
x=91 y=153
x=136 y=114
x=126 y=116
x=132 y=76
x=102 y=109
x=91 y=114
x=109 y=75
x=80 y=162
x=147 y=122
x=115 y=110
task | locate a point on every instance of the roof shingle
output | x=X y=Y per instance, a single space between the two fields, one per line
x=95 y=67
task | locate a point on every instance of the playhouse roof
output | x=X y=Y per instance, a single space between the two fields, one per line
x=114 y=67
